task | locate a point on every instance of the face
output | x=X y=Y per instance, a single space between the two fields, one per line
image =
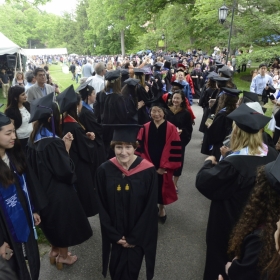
x=7 y=136
x=157 y=114
x=180 y=76
x=41 y=77
x=91 y=98
x=276 y=236
x=79 y=107
x=19 y=76
x=177 y=99
x=124 y=153
x=22 y=98
x=263 y=70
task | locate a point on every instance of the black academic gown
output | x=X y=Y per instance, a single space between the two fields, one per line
x=84 y=154
x=246 y=267
x=98 y=105
x=64 y=221
x=127 y=207
x=88 y=120
x=228 y=185
x=17 y=262
x=143 y=95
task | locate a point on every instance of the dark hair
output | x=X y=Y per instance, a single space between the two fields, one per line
x=114 y=143
x=262 y=208
x=17 y=158
x=47 y=124
x=86 y=92
x=29 y=76
x=128 y=92
x=73 y=110
x=13 y=95
x=183 y=104
x=227 y=101
x=46 y=68
x=39 y=69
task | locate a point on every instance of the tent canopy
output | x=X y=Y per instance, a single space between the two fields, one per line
x=7 y=46
x=30 y=52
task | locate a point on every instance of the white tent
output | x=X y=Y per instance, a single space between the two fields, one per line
x=30 y=52
x=7 y=46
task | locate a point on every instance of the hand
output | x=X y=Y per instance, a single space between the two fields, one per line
x=180 y=131
x=193 y=122
x=37 y=219
x=228 y=266
x=141 y=104
x=224 y=150
x=147 y=88
x=68 y=138
x=161 y=171
x=220 y=277
x=212 y=158
x=122 y=241
x=126 y=245
x=3 y=249
x=90 y=135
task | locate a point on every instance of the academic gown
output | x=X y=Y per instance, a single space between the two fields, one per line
x=142 y=95
x=247 y=266
x=228 y=185
x=98 y=105
x=17 y=262
x=128 y=207
x=87 y=119
x=162 y=147
x=181 y=120
x=84 y=154
x=64 y=221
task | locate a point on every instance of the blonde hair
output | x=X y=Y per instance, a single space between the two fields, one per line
x=141 y=78
x=241 y=139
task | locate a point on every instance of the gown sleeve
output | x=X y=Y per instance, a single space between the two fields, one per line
x=187 y=128
x=217 y=132
x=217 y=181
x=59 y=163
x=106 y=225
x=247 y=267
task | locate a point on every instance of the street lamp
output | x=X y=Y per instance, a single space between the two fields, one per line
x=223 y=12
x=163 y=37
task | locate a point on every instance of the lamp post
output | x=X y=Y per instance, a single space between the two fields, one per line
x=165 y=40
x=223 y=12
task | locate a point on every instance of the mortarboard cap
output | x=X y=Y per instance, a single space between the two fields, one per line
x=4 y=120
x=176 y=84
x=67 y=99
x=212 y=75
x=248 y=119
x=255 y=106
x=138 y=71
x=225 y=71
x=158 y=64
x=250 y=97
x=159 y=102
x=124 y=71
x=125 y=132
x=219 y=64
x=131 y=82
x=83 y=86
x=220 y=79
x=231 y=91
x=273 y=175
x=112 y=75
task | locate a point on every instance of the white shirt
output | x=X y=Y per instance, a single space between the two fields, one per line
x=26 y=128
x=97 y=82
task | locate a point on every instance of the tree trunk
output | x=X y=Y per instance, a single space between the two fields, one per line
x=122 y=43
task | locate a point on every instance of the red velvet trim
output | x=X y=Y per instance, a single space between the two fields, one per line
x=69 y=119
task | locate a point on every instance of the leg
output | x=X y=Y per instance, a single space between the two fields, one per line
x=64 y=258
x=175 y=179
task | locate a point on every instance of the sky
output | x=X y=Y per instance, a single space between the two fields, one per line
x=57 y=6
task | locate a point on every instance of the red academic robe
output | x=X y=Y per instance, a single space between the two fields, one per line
x=170 y=159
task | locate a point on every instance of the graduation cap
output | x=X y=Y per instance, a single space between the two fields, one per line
x=225 y=71
x=198 y=63
x=158 y=65
x=248 y=119
x=112 y=75
x=176 y=84
x=83 y=86
x=138 y=71
x=212 y=75
x=125 y=132
x=124 y=71
x=131 y=82
x=159 y=102
x=273 y=175
x=250 y=97
x=41 y=108
x=67 y=99
x=220 y=79
x=231 y=91
x=4 y=120
x=219 y=64
x=255 y=106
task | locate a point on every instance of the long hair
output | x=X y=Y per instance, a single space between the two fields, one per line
x=115 y=86
x=227 y=101
x=47 y=124
x=262 y=209
x=128 y=92
x=141 y=78
x=17 y=158
x=183 y=104
x=13 y=96
x=211 y=83
x=241 y=139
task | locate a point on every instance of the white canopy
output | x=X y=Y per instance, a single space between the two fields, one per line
x=30 y=52
x=7 y=46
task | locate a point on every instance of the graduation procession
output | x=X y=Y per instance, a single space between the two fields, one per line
x=153 y=167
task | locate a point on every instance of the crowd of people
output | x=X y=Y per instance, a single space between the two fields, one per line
x=116 y=147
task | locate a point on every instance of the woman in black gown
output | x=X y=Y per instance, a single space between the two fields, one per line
x=64 y=222
x=83 y=150
x=127 y=191
x=181 y=118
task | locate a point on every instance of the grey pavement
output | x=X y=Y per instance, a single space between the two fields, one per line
x=181 y=240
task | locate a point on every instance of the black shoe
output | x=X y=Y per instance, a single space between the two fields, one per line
x=163 y=219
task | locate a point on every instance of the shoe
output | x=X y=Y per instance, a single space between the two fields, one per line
x=163 y=219
x=53 y=258
x=60 y=261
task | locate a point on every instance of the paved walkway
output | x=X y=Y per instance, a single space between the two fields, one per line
x=181 y=240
